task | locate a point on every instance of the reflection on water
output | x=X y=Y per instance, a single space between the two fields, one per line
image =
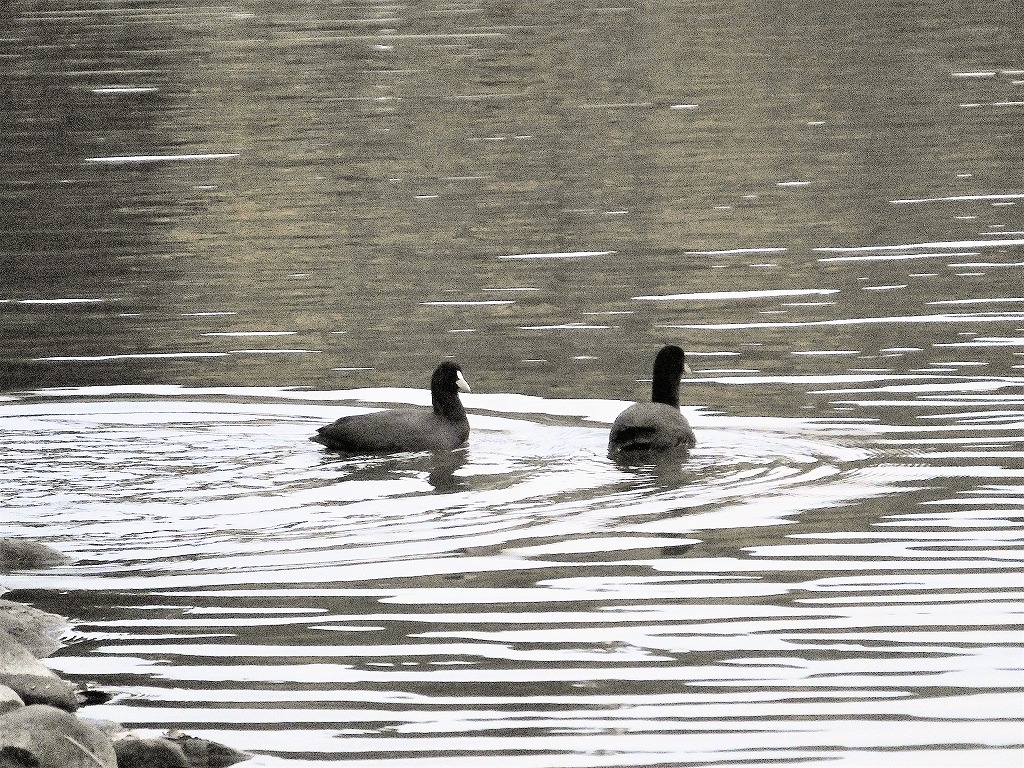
x=231 y=189
x=795 y=587
x=208 y=210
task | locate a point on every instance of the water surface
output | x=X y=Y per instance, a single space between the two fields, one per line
x=226 y=226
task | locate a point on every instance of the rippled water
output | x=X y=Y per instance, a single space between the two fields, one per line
x=797 y=590
x=227 y=226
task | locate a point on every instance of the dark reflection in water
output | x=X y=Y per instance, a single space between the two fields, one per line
x=439 y=468
x=667 y=470
x=443 y=466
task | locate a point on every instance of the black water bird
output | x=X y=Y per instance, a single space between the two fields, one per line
x=657 y=426
x=444 y=427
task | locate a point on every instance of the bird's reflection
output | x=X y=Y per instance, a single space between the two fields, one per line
x=438 y=467
x=443 y=466
x=664 y=469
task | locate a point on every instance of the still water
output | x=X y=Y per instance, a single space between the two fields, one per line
x=225 y=225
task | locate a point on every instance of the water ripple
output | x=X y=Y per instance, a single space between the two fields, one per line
x=522 y=592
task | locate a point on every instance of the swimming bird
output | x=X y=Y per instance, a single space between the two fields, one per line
x=656 y=426
x=406 y=429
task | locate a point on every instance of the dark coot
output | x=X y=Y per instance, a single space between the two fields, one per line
x=406 y=429
x=656 y=426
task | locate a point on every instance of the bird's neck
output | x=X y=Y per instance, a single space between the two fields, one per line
x=667 y=393
x=447 y=405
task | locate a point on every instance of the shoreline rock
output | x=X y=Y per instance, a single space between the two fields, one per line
x=28 y=555
x=41 y=735
x=38 y=724
x=37 y=631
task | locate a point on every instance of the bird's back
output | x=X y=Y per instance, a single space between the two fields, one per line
x=393 y=430
x=650 y=427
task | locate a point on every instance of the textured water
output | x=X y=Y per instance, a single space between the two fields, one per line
x=225 y=226
x=795 y=590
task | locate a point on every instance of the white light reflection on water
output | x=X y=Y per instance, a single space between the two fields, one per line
x=732 y=295
x=794 y=590
x=972 y=317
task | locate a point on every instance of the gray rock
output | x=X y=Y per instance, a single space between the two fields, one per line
x=44 y=737
x=40 y=632
x=206 y=754
x=34 y=689
x=16 y=757
x=9 y=700
x=25 y=554
x=34 y=682
x=149 y=753
x=113 y=731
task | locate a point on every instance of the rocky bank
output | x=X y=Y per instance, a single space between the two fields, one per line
x=39 y=727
